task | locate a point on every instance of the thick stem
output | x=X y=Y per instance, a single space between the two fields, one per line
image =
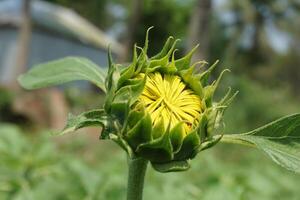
x=136 y=175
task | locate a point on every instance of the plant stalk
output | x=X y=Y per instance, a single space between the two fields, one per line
x=236 y=139
x=136 y=174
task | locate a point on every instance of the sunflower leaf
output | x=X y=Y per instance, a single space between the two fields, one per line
x=95 y=117
x=62 y=71
x=280 y=140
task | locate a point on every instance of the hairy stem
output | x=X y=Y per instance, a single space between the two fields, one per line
x=136 y=175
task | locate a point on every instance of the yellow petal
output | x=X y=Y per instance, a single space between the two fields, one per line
x=167 y=98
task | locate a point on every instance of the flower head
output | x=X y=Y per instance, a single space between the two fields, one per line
x=168 y=99
x=161 y=109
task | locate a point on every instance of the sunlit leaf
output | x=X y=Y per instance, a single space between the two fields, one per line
x=280 y=140
x=62 y=71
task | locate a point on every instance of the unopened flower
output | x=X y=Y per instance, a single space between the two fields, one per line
x=161 y=109
x=168 y=101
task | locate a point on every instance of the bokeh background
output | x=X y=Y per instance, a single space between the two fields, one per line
x=258 y=40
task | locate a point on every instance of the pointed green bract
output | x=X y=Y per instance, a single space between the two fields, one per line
x=165 y=49
x=177 y=136
x=173 y=166
x=144 y=126
x=189 y=146
x=159 y=150
x=185 y=62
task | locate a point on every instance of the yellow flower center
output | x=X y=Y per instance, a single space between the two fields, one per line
x=167 y=98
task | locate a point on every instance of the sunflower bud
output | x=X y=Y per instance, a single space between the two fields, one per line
x=161 y=109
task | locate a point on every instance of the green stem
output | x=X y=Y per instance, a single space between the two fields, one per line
x=236 y=139
x=136 y=175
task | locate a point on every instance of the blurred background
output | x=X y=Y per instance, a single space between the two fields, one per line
x=258 y=40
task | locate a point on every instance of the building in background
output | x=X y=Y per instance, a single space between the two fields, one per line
x=56 y=32
x=53 y=32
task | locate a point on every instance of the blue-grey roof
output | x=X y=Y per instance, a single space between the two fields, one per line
x=59 y=19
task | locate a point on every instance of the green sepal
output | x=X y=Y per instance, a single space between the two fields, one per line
x=133 y=82
x=126 y=97
x=165 y=49
x=176 y=135
x=108 y=100
x=128 y=73
x=140 y=133
x=202 y=127
x=215 y=113
x=158 y=150
x=227 y=99
x=158 y=130
x=173 y=166
x=110 y=84
x=223 y=105
x=204 y=77
x=134 y=116
x=111 y=74
x=123 y=144
x=142 y=61
x=212 y=119
x=184 y=63
x=162 y=62
x=171 y=67
x=136 y=89
x=146 y=44
x=192 y=81
x=189 y=146
x=119 y=106
x=209 y=90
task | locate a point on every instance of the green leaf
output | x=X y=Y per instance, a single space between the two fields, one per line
x=173 y=166
x=280 y=140
x=95 y=117
x=62 y=71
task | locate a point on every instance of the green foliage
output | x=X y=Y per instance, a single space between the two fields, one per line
x=22 y=164
x=6 y=98
x=62 y=71
x=34 y=167
x=279 y=139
